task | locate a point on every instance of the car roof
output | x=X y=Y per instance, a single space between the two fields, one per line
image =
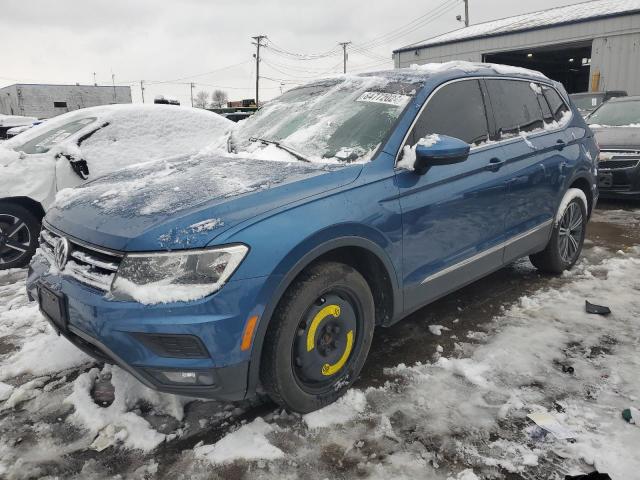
x=458 y=69
x=587 y=94
x=634 y=98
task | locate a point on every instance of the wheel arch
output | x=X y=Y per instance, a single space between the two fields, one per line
x=582 y=182
x=365 y=255
x=26 y=202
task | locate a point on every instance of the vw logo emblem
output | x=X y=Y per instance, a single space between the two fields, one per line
x=61 y=252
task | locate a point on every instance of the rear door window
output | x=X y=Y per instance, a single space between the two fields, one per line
x=515 y=107
x=457 y=110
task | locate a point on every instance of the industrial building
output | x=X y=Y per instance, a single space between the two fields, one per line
x=46 y=101
x=590 y=46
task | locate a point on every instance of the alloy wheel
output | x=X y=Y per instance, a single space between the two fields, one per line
x=15 y=238
x=570 y=233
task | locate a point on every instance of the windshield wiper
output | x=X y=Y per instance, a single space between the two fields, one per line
x=264 y=141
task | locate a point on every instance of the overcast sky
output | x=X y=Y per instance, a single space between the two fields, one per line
x=65 y=41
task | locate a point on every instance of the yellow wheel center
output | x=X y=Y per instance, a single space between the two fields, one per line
x=334 y=311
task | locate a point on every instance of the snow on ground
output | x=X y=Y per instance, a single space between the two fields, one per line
x=458 y=413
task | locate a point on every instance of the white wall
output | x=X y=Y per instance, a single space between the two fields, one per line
x=38 y=100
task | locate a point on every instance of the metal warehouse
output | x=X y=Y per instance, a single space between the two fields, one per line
x=46 y=101
x=590 y=46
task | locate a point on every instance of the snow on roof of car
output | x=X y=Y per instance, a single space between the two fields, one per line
x=530 y=21
x=16 y=120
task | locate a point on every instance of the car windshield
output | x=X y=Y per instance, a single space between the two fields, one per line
x=617 y=114
x=340 y=119
x=587 y=102
x=44 y=142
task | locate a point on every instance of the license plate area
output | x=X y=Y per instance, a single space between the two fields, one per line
x=605 y=179
x=54 y=307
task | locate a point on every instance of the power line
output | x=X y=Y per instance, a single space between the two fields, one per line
x=412 y=26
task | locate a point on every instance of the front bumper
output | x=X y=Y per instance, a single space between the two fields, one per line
x=110 y=331
x=619 y=182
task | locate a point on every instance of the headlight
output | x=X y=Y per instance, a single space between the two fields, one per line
x=187 y=275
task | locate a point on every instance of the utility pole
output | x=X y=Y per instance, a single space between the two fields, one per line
x=192 y=85
x=344 y=55
x=113 y=82
x=142 y=89
x=258 y=43
x=466 y=13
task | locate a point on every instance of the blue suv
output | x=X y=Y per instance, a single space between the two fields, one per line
x=263 y=264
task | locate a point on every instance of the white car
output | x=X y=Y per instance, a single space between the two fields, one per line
x=82 y=145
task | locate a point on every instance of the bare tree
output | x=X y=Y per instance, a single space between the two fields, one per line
x=219 y=98
x=201 y=99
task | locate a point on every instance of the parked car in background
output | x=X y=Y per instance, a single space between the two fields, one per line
x=12 y=132
x=616 y=125
x=342 y=205
x=7 y=122
x=73 y=148
x=237 y=116
x=587 y=102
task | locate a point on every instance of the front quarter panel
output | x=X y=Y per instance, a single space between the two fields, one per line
x=32 y=176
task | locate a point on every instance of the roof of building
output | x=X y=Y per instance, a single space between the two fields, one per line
x=62 y=85
x=576 y=13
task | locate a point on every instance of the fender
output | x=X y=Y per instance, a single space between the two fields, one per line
x=300 y=260
x=586 y=175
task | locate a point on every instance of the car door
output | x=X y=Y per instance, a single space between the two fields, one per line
x=453 y=215
x=533 y=142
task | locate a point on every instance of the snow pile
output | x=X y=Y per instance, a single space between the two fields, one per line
x=117 y=423
x=249 y=442
x=346 y=408
x=45 y=352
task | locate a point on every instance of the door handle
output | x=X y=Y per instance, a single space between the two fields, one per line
x=495 y=164
x=560 y=144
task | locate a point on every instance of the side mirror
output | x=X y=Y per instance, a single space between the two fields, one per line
x=79 y=166
x=439 y=150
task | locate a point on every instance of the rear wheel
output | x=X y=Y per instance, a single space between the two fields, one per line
x=19 y=230
x=565 y=245
x=319 y=339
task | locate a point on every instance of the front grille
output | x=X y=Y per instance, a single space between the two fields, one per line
x=618 y=159
x=87 y=265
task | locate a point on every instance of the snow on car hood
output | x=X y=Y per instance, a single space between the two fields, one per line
x=187 y=202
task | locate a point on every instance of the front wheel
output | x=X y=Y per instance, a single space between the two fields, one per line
x=319 y=338
x=565 y=245
x=19 y=230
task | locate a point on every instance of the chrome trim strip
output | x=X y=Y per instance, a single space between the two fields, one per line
x=484 y=253
x=89 y=246
x=493 y=144
x=85 y=258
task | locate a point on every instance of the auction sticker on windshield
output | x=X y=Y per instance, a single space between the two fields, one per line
x=386 y=98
